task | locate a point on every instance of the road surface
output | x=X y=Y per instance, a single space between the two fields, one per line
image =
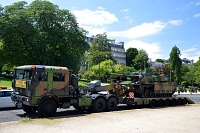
x=12 y=114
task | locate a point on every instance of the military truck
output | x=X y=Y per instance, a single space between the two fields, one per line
x=45 y=88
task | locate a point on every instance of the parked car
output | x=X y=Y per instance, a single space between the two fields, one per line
x=6 y=101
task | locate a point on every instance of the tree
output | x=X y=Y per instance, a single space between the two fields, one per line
x=140 y=61
x=41 y=33
x=176 y=63
x=159 y=60
x=100 y=49
x=131 y=53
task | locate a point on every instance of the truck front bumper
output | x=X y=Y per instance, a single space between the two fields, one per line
x=18 y=98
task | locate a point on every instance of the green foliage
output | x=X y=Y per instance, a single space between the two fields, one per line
x=159 y=60
x=100 y=49
x=176 y=63
x=131 y=53
x=140 y=60
x=41 y=33
x=110 y=67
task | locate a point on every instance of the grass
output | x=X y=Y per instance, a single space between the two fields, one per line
x=43 y=121
x=5 y=82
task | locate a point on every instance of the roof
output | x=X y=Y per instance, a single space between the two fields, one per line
x=41 y=66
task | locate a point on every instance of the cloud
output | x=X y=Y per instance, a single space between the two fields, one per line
x=125 y=10
x=144 y=29
x=95 y=30
x=175 y=22
x=126 y=17
x=100 y=8
x=94 y=18
x=196 y=15
x=191 y=53
x=152 y=49
x=197 y=4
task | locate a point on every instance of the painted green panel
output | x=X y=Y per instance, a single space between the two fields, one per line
x=35 y=101
x=85 y=101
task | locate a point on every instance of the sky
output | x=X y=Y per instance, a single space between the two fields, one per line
x=153 y=25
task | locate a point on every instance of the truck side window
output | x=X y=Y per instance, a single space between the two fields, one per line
x=58 y=77
x=42 y=76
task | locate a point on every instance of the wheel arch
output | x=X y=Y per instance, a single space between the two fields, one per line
x=49 y=96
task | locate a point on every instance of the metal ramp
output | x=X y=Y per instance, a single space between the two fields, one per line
x=189 y=101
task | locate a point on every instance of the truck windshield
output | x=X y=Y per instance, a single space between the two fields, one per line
x=23 y=74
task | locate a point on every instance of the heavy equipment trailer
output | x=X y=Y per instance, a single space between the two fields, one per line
x=45 y=88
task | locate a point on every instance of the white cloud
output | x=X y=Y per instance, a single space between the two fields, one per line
x=144 y=29
x=95 y=30
x=152 y=49
x=100 y=8
x=175 y=22
x=125 y=10
x=197 y=15
x=197 y=4
x=191 y=53
x=126 y=17
x=94 y=18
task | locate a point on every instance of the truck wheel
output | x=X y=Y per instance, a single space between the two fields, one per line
x=152 y=104
x=111 y=104
x=159 y=103
x=47 y=108
x=99 y=105
x=27 y=109
x=18 y=105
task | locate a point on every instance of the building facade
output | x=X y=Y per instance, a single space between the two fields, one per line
x=118 y=50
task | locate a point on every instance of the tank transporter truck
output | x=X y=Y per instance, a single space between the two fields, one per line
x=43 y=89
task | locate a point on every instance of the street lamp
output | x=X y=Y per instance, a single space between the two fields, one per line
x=144 y=61
x=99 y=69
x=171 y=75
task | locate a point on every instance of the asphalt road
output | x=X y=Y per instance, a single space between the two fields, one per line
x=12 y=114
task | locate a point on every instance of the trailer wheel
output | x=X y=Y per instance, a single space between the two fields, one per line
x=47 y=108
x=111 y=104
x=99 y=105
x=172 y=102
x=152 y=104
x=178 y=102
x=159 y=103
x=27 y=109
x=166 y=102
x=183 y=101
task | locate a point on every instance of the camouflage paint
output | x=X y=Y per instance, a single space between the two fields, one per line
x=41 y=88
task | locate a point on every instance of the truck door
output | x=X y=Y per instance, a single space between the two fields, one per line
x=59 y=84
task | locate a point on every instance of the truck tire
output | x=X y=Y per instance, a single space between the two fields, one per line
x=98 y=105
x=27 y=109
x=18 y=105
x=111 y=104
x=152 y=104
x=47 y=108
